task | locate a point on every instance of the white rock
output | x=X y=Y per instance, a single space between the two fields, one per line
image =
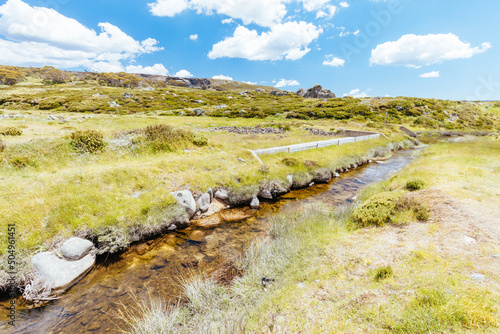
x=76 y=248
x=264 y=193
x=186 y=199
x=255 y=203
x=60 y=274
x=204 y=202
x=222 y=194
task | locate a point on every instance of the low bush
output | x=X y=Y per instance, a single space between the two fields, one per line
x=377 y=210
x=200 y=140
x=88 y=141
x=413 y=185
x=383 y=273
x=290 y=162
x=20 y=161
x=10 y=131
x=166 y=138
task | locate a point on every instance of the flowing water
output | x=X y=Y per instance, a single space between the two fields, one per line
x=157 y=266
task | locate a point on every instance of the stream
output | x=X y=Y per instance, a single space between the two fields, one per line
x=156 y=267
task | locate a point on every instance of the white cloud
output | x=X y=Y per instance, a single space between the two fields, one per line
x=423 y=50
x=347 y=33
x=288 y=40
x=357 y=93
x=193 y=37
x=183 y=74
x=41 y=36
x=227 y=21
x=285 y=83
x=157 y=69
x=344 y=4
x=328 y=12
x=335 y=62
x=222 y=77
x=249 y=82
x=311 y=5
x=434 y=74
x=247 y=11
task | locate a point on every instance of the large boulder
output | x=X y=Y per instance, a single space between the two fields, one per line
x=279 y=93
x=74 y=249
x=199 y=112
x=59 y=274
x=317 y=92
x=186 y=199
x=222 y=194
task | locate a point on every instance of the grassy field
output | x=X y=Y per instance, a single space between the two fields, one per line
x=330 y=275
x=52 y=188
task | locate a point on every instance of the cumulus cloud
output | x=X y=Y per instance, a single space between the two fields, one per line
x=183 y=74
x=222 y=77
x=357 y=93
x=423 y=50
x=193 y=37
x=247 y=11
x=328 y=12
x=250 y=82
x=335 y=62
x=227 y=21
x=284 y=83
x=344 y=4
x=157 y=69
x=275 y=44
x=434 y=74
x=33 y=36
x=311 y=5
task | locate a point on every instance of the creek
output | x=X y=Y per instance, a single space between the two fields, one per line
x=156 y=267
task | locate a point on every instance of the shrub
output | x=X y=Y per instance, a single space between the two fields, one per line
x=383 y=273
x=2 y=146
x=51 y=75
x=88 y=141
x=290 y=162
x=413 y=185
x=200 y=140
x=10 y=131
x=20 y=161
x=166 y=138
x=376 y=211
x=50 y=103
x=10 y=75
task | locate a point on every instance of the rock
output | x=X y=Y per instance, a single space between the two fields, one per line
x=204 y=202
x=75 y=248
x=260 y=90
x=290 y=179
x=477 y=277
x=241 y=160
x=211 y=193
x=190 y=262
x=255 y=203
x=222 y=194
x=264 y=193
x=172 y=227
x=185 y=198
x=322 y=175
x=113 y=104
x=301 y=285
x=278 y=93
x=199 y=112
x=335 y=174
x=469 y=240
x=221 y=106
x=128 y=96
x=197 y=236
x=199 y=101
x=60 y=274
x=317 y=92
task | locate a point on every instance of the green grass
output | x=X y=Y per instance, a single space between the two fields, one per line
x=327 y=275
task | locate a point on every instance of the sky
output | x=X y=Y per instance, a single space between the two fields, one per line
x=424 y=48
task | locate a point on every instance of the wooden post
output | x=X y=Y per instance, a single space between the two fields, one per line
x=385 y=120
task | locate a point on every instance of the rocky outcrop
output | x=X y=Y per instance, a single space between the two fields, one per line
x=317 y=92
x=279 y=93
x=322 y=175
x=199 y=112
x=186 y=199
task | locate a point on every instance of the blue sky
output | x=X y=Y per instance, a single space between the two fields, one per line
x=426 y=48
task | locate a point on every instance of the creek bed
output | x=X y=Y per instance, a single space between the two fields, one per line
x=155 y=267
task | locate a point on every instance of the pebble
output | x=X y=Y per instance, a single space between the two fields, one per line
x=301 y=285
x=477 y=277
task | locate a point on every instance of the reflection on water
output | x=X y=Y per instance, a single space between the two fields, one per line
x=156 y=266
